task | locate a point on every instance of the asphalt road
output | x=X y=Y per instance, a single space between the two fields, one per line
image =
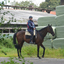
x=37 y=61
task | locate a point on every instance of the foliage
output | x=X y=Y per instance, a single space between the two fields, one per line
x=9 y=62
x=6 y=42
x=3 y=20
x=44 y=5
x=50 y=4
x=3 y=41
x=12 y=61
x=47 y=0
x=24 y=4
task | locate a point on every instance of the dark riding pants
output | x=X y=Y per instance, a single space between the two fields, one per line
x=31 y=32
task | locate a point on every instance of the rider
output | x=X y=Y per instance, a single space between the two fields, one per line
x=31 y=27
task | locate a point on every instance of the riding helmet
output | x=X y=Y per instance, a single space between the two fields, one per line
x=30 y=17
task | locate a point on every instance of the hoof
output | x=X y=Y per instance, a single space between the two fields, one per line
x=39 y=57
x=42 y=56
x=19 y=57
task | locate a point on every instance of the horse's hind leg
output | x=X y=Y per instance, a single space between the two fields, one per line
x=21 y=48
x=43 y=50
x=18 y=53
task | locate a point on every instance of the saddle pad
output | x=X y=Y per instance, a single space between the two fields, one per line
x=27 y=33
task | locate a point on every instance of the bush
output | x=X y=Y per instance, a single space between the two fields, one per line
x=6 y=42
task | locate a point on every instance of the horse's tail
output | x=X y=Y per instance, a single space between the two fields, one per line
x=14 y=41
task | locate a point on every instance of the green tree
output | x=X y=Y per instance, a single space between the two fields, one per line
x=44 y=5
x=24 y=4
x=50 y=4
x=47 y=0
x=53 y=3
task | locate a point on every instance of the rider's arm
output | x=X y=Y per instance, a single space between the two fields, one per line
x=33 y=26
x=30 y=25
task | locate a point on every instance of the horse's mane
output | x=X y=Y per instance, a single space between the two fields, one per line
x=42 y=29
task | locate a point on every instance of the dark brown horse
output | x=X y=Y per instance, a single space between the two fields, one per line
x=39 y=40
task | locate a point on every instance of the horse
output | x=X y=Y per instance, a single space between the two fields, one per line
x=20 y=36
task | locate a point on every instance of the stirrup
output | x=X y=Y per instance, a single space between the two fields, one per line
x=31 y=42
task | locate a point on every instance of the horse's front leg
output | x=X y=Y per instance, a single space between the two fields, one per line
x=43 y=50
x=38 y=46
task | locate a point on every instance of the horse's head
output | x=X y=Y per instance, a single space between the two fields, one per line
x=50 y=30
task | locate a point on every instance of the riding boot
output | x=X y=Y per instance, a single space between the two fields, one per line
x=31 y=42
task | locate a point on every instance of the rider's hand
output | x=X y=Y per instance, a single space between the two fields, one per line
x=34 y=28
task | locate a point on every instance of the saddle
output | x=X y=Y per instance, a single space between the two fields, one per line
x=28 y=35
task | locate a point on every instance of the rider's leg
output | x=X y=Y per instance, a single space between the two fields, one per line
x=31 y=42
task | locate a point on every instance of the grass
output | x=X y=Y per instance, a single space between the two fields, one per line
x=31 y=51
x=7 y=50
